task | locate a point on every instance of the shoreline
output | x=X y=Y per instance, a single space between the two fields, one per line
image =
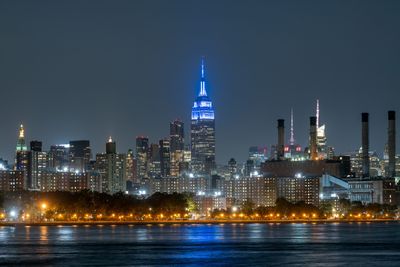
x=187 y=222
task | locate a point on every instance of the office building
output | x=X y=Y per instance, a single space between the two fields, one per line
x=203 y=130
x=177 y=146
x=142 y=156
x=165 y=157
x=79 y=155
x=38 y=165
x=112 y=168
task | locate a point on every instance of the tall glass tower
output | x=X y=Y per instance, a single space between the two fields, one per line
x=202 y=130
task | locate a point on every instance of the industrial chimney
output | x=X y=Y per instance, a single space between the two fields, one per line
x=392 y=143
x=365 y=144
x=313 y=138
x=281 y=139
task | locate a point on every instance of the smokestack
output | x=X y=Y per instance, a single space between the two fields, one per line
x=392 y=143
x=313 y=138
x=365 y=144
x=281 y=139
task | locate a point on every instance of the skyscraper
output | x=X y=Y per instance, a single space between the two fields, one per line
x=58 y=157
x=130 y=166
x=36 y=146
x=112 y=168
x=203 y=129
x=79 y=155
x=165 y=157
x=38 y=165
x=21 y=145
x=22 y=156
x=293 y=151
x=321 y=137
x=142 y=156
x=154 y=162
x=232 y=165
x=177 y=145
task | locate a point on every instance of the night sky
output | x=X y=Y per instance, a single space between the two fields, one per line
x=89 y=69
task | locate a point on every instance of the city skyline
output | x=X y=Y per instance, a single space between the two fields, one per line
x=74 y=85
x=203 y=134
x=288 y=141
x=179 y=132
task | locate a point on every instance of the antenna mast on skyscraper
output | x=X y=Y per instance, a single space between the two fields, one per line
x=317 y=115
x=291 y=141
x=202 y=67
x=203 y=91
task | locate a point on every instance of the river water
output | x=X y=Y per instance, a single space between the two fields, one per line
x=255 y=244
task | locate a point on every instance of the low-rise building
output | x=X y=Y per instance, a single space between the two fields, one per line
x=294 y=189
x=206 y=204
x=70 y=181
x=12 y=181
x=382 y=191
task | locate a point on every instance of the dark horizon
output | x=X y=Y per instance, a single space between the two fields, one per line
x=86 y=70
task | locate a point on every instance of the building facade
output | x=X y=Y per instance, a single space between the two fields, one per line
x=382 y=191
x=177 y=146
x=79 y=155
x=142 y=156
x=70 y=181
x=12 y=181
x=202 y=130
x=112 y=168
x=38 y=165
x=165 y=157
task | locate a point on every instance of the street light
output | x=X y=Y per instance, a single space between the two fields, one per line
x=13 y=214
x=43 y=207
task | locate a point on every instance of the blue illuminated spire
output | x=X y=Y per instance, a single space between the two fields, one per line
x=202 y=68
x=203 y=91
x=202 y=106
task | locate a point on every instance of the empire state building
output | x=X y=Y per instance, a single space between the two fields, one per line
x=202 y=130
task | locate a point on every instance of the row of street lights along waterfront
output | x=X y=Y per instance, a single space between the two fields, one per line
x=45 y=213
